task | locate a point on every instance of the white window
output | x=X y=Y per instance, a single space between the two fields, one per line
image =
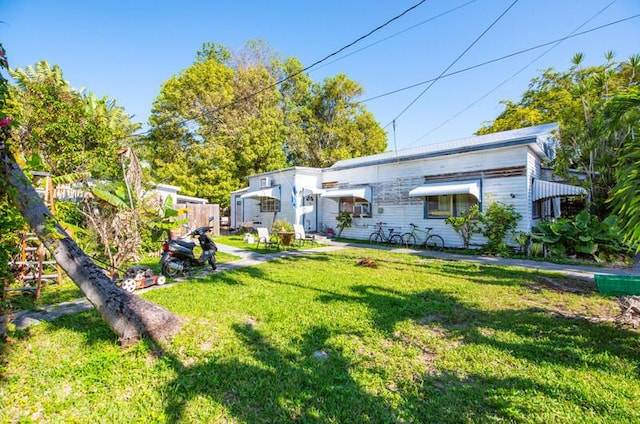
x=447 y=205
x=269 y=204
x=355 y=206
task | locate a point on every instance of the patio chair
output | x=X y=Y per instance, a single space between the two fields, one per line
x=301 y=236
x=265 y=238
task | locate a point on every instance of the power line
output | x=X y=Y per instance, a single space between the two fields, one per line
x=488 y=62
x=288 y=77
x=513 y=75
x=454 y=62
x=397 y=33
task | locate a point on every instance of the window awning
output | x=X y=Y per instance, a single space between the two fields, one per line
x=273 y=192
x=472 y=188
x=358 y=192
x=546 y=189
x=308 y=191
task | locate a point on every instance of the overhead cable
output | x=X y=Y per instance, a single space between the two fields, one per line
x=454 y=62
x=513 y=75
x=488 y=62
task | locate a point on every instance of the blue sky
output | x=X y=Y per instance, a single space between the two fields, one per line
x=126 y=50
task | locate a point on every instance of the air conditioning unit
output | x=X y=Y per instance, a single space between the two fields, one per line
x=265 y=182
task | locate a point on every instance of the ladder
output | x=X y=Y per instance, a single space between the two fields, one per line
x=35 y=264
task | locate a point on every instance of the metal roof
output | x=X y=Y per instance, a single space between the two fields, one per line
x=540 y=136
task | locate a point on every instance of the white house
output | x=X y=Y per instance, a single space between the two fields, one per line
x=421 y=185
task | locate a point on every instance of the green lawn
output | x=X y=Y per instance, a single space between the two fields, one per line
x=319 y=338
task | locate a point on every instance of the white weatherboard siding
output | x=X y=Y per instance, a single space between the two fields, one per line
x=498 y=167
x=391 y=184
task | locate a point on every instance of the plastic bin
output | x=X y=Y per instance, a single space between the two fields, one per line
x=618 y=285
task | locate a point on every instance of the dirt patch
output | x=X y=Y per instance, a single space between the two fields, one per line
x=570 y=285
x=367 y=262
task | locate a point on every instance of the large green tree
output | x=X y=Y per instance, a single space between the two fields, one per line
x=623 y=112
x=231 y=115
x=325 y=122
x=129 y=316
x=71 y=131
x=576 y=99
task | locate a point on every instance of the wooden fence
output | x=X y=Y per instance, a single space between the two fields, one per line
x=198 y=215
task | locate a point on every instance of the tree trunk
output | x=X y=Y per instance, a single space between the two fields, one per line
x=128 y=315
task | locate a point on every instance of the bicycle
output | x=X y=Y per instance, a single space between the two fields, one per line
x=431 y=242
x=378 y=236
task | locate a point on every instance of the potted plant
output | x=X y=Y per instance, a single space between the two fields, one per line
x=284 y=230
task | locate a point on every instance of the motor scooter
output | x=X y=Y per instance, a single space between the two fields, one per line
x=178 y=257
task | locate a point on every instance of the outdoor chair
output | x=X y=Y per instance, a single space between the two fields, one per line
x=265 y=238
x=301 y=236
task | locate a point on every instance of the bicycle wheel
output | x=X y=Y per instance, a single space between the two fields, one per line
x=396 y=240
x=409 y=240
x=434 y=242
x=375 y=238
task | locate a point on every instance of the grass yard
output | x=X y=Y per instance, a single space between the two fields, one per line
x=66 y=291
x=320 y=338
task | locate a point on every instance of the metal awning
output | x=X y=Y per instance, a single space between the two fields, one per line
x=546 y=189
x=443 y=189
x=308 y=191
x=273 y=192
x=358 y=192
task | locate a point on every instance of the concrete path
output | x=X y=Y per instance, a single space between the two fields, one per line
x=23 y=319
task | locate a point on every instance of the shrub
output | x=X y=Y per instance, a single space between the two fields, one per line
x=343 y=220
x=466 y=224
x=281 y=225
x=584 y=236
x=498 y=220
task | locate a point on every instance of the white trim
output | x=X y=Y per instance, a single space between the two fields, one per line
x=273 y=192
x=307 y=191
x=472 y=188
x=546 y=189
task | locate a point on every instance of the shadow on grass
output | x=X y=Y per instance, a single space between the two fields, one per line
x=278 y=385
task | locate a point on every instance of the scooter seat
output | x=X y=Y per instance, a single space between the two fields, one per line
x=187 y=244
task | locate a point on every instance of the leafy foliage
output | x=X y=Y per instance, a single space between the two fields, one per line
x=498 y=220
x=226 y=117
x=281 y=225
x=343 y=220
x=466 y=224
x=72 y=131
x=625 y=196
x=583 y=236
x=577 y=100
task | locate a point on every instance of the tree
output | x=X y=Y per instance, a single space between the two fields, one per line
x=624 y=110
x=129 y=316
x=209 y=127
x=70 y=131
x=325 y=122
x=576 y=100
x=231 y=115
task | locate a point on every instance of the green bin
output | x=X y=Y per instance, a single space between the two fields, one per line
x=618 y=285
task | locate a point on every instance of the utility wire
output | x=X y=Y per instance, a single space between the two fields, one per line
x=396 y=34
x=513 y=75
x=418 y=84
x=288 y=77
x=454 y=62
